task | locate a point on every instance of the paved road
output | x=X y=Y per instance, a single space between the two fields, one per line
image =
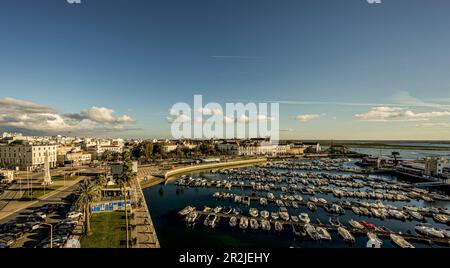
x=10 y=204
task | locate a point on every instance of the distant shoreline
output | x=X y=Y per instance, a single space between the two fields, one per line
x=393 y=146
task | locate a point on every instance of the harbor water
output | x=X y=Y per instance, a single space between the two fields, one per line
x=166 y=200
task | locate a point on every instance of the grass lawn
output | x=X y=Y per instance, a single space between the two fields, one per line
x=61 y=178
x=108 y=229
x=37 y=192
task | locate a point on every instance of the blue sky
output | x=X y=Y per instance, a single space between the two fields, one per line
x=350 y=70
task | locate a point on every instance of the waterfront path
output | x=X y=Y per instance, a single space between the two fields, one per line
x=144 y=231
x=232 y=163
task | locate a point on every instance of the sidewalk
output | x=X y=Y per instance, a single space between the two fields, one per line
x=144 y=232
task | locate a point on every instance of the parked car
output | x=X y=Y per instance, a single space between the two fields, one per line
x=41 y=215
x=33 y=225
x=74 y=214
x=7 y=240
x=33 y=218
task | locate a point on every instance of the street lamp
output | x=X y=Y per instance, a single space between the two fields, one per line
x=51 y=233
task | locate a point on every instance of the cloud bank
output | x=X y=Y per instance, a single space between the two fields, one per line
x=21 y=114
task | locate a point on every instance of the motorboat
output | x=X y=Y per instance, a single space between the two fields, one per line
x=367 y=225
x=264 y=214
x=429 y=231
x=416 y=215
x=322 y=201
x=294 y=218
x=274 y=215
x=400 y=241
x=441 y=218
x=254 y=224
x=356 y=210
x=323 y=233
x=265 y=225
x=263 y=201
x=233 y=221
x=304 y=218
x=253 y=212
x=284 y=215
x=243 y=222
x=227 y=211
x=217 y=209
x=356 y=224
x=192 y=216
x=207 y=209
x=211 y=220
x=346 y=235
x=311 y=206
x=334 y=221
x=278 y=226
x=298 y=230
x=185 y=211
x=298 y=197
x=311 y=231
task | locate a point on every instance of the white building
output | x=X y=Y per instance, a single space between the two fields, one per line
x=253 y=147
x=434 y=166
x=97 y=151
x=27 y=155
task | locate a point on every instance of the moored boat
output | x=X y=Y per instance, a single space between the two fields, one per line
x=233 y=221
x=400 y=241
x=441 y=218
x=323 y=233
x=265 y=225
x=311 y=206
x=311 y=231
x=265 y=214
x=278 y=226
x=304 y=217
x=254 y=224
x=346 y=235
x=253 y=212
x=356 y=224
x=185 y=211
x=243 y=222
x=429 y=231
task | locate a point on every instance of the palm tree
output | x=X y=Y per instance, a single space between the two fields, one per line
x=124 y=180
x=102 y=180
x=395 y=154
x=88 y=192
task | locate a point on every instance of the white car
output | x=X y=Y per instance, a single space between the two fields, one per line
x=41 y=215
x=74 y=214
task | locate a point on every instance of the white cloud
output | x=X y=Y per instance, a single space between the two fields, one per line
x=182 y=118
x=244 y=119
x=208 y=111
x=386 y=114
x=287 y=130
x=307 y=117
x=228 y=120
x=15 y=113
x=445 y=125
x=263 y=117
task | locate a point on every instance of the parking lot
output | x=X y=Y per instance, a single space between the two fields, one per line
x=30 y=227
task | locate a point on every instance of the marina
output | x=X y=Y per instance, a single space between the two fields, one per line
x=330 y=207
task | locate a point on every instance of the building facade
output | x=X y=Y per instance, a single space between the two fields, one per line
x=27 y=155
